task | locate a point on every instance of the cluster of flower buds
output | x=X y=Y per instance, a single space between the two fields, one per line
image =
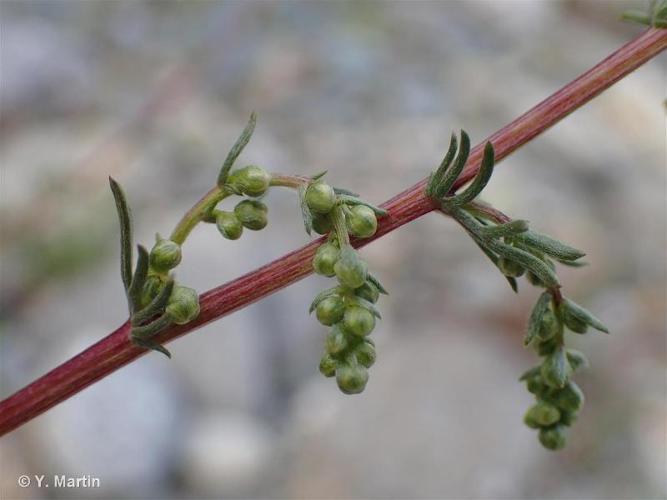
x=518 y=251
x=154 y=299
x=559 y=399
x=250 y=213
x=348 y=308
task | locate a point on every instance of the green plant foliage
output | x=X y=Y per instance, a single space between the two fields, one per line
x=516 y=251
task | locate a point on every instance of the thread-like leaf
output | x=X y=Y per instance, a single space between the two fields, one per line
x=539 y=310
x=453 y=172
x=573 y=263
x=514 y=285
x=508 y=229
x=584 y=315
x=479 y=182
x=138 y=279
x=432 y=189
x=351 y=200
x=529 y=373
x=149 y=344
x=549 y=246
x=156 y=306
x=125 y=219
x=236 y=150
x=537 y=266
x=318 y=175
x=636 y=16
x=305 y=211
x=344 y=191
x=376 y=283
x=366 y=305
x=152 y=328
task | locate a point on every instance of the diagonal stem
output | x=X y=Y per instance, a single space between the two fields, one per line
x=116 y=350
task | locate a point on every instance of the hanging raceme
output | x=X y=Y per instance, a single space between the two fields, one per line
x=518 y=251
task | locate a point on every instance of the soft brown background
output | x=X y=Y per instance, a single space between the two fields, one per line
x=154 y=93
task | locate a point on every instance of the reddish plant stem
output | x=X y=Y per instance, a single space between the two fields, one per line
x=115 y=350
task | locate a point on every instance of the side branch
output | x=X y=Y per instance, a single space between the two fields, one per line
x=116 y=350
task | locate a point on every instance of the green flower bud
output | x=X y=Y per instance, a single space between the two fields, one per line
x=365 y=353
x=570 y=398
x=361 y=221
x=328 y=366
x=350 y=270
x=549 y=326
x=229 y=225
x=320 y=197
x=325 y=259
x=165 y=255
x=510 y=267
x=359 y=321
x=553 y=438
x=542 y=415
x=330 y=310
x=546 y=347
x=251 y=180
x=574 y=324
x=183 y=305
x=536 y=386
x=567 y=417
x=252 y=214
x=368 y=292
x=336 y=341
x=351 y=379
x=321 y=224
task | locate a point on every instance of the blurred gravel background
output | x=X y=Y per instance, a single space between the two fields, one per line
x=154 y=93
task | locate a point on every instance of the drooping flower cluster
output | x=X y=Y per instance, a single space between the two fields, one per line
x=349 y=307
x=518 y=251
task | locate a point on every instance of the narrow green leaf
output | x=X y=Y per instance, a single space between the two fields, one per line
x=576 y=359
x=138 y=279
x=573 y=263
x=538 y=267
x=149 y=344
x=529 y=373
x=479 y=182
x=236 y=150
x=549 y=246
x=318 y=176
x=305 y=211
x=540 y=308
x=376 y=283
x=351 y=200
x=345 y=192
x=582 y=314
x=452 y=173
x=436 y=177
x=508 y=229
x=125 y=219
x=152 y=328
x=636 y=16
x=494 y=258
x=156 y=306
x=366 y=305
